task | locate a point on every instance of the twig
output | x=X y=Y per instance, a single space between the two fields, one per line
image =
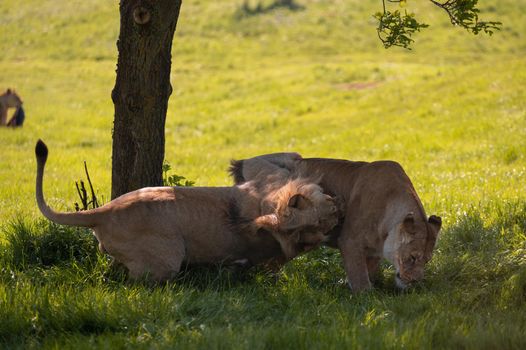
x=94 y=201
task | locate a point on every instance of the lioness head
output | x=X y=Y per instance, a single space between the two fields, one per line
x=11 y=99
x=412 y=247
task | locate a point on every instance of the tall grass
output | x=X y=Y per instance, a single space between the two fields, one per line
x=66 y=294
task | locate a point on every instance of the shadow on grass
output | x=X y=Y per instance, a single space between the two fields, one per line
x=479 y=268
x=482 y=256
x=46 y=252
x=46 y=244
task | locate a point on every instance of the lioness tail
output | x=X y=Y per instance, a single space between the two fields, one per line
x=236 y=171
x=81 y=218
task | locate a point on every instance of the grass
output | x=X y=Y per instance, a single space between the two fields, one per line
x=313 y=80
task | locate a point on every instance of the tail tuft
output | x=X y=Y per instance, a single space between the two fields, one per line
x=236 y=171
x=41 y=150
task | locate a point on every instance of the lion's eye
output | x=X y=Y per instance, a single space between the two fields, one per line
x=413 y=259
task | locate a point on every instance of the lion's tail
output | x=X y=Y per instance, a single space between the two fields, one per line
x=81 y=218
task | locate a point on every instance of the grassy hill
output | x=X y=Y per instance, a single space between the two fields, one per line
x=315 y=80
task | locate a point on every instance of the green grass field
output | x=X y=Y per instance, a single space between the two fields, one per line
x=317 y=81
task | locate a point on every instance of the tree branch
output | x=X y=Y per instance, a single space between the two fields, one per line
x=397 y=29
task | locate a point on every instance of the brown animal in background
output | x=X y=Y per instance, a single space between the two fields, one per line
x=384 y=218
x=153 y=230
x=8 y=99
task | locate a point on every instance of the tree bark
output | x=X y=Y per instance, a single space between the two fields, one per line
x=141 y=92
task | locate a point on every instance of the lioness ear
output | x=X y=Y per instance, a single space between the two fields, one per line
x=409 y=223
x=436 y=222
x=268 y=222
x=299 y=201
x=8 y=91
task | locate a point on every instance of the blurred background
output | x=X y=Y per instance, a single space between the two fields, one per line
x=252 y=77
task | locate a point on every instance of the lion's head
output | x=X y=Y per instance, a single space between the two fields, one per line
x=303 y=216
x=411 y=247
x=11 y=99
x=303 y=204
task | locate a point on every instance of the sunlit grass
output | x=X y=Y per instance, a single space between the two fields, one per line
x=452 y=111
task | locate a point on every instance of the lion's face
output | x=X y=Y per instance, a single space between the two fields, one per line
x=306 y=220
x=310 y=211
x=412 y=248
x=302 y=218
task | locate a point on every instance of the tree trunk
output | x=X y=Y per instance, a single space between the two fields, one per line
x=141 y=92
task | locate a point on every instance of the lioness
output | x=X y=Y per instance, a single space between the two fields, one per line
x=8 y=99
x=383 y=217
x=153 y=230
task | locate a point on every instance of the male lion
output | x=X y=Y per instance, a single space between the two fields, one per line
x=8 y=99
x=153 y=230
x=383 y=217
x=269 y=181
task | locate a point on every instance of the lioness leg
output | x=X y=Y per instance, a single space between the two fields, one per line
x=157 y=258
x=354 y=261
x=356 y=269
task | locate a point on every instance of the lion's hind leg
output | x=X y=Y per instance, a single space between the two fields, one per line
x=158 y=259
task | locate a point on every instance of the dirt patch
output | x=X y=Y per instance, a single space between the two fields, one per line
x=357 y=85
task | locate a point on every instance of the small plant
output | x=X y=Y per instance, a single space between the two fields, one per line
x=174 y=180
x=88 y=200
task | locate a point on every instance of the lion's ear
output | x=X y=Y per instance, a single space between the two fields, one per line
x=268 y=222
x=435 y=222
x=8 y=91
x=299 y=201
x=409 y=223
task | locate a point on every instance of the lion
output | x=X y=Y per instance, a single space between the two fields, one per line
x=269 y=182
x=384 y=217
x=153 y=230
x=8 y=99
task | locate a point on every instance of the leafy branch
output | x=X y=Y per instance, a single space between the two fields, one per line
x=396 y=28
x=464 y=13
